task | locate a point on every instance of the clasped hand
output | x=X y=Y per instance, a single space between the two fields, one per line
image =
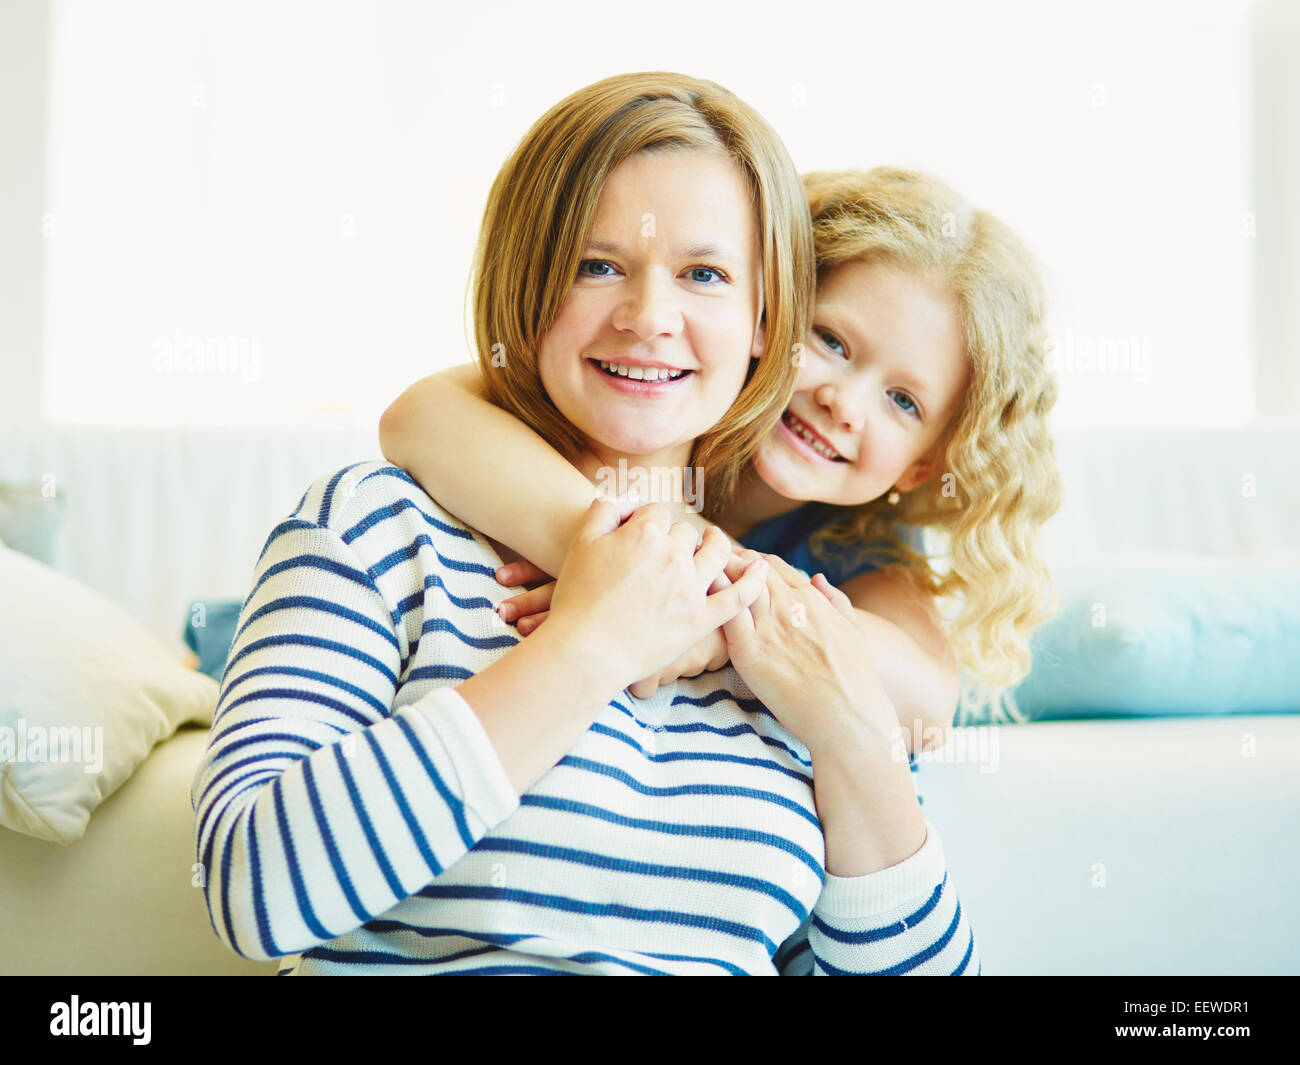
x=794 y=641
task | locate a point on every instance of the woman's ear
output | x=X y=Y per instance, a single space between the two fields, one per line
x=760 y=340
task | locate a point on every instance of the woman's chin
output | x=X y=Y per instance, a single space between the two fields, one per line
x=633 y=445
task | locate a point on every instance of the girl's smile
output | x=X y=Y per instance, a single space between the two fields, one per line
x=884 y=373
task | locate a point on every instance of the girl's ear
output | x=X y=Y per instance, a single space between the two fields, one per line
x=760 y=340
x=919 y=472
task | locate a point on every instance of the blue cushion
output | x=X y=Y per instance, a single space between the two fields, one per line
x=210 y=630
x=1154 y=633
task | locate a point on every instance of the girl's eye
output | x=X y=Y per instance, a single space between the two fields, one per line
x=594 y=268
x=831 y=341
x=696 y=271
x=906 y=403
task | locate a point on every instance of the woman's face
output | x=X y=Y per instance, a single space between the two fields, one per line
x=667 y=291
x=883 y=374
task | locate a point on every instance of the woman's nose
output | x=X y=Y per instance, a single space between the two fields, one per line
x=650 y=309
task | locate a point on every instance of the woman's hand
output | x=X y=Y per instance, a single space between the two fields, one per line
x=641 y=593
x=799 y=649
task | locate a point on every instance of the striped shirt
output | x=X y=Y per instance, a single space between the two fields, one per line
x=352 y=816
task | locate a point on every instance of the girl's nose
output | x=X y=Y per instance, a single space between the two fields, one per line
x=844 y=404
x=650 y=309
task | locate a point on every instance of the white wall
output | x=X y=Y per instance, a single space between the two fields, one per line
x=303 y=181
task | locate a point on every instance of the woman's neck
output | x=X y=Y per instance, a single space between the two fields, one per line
x=660 y=477
x=754 y=502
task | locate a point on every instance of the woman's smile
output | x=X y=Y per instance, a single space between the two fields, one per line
x=640 y=379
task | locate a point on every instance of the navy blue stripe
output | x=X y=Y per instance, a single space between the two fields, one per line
x=498 y=940
x=376 y=849
x=315 y=641
x=291 y=860
x=907 y=964
x=888 y=931
x=341 y=874
x=698 y=756
x=380 y=709
x=408 y=815
x=749 y=706
x=597 y=860
x=970 y=949
x=434 y=580
x=287 y=526
x=672 y=828
x=380 y=957
x=599 y=909
x=455 y=806
x=739 y=729
x=227 y=919
x=729 y=790
x=259 y=901
x=337 y=610
x=439 y=672
x=295 y=695
x=328 y=499
x=391 y=510
x=482 y=643
x=412 y=550
x=320 y=562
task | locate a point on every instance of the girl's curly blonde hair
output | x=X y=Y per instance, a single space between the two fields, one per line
x=999 y=483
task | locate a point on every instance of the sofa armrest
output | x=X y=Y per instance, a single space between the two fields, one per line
x=120 y=900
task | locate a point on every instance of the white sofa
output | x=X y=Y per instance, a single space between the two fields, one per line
x=1101 y=846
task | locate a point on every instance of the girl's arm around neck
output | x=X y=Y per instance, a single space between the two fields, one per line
x=486 y=467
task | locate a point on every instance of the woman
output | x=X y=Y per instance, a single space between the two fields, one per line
x=395 y=783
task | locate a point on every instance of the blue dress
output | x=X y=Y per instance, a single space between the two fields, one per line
x=789 y=536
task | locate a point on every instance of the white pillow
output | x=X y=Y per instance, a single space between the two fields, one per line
x=85 y=693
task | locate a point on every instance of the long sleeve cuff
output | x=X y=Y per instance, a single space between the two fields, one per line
x=857 y=897
x=443 y=717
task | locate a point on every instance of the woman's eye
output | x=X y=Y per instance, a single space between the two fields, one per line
x=906 y=403
x=594 y=268
x=830 y=340
x=700 y=274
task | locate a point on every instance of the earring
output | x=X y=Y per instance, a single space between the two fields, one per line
x=893 y=498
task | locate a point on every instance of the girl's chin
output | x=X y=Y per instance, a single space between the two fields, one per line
x=785 y=478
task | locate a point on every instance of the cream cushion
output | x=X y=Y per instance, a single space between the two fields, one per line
x=85 y=694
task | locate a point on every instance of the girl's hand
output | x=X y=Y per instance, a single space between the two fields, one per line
x=528 y=609
x=641 y=594
x=707 y=655
x=801 y=652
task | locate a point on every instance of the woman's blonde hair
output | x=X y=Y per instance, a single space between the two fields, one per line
x=999 y=482
x=536 y=223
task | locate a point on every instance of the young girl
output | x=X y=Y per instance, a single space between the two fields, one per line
x=920 y=402
x=395 y=783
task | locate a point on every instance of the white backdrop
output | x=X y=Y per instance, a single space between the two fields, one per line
x=297 y=185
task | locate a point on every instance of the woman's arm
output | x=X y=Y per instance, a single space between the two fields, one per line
x=887 y=905
x=320 y=803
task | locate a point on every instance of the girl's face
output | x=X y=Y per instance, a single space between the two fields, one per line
x=883 y=373
x=653 y=342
